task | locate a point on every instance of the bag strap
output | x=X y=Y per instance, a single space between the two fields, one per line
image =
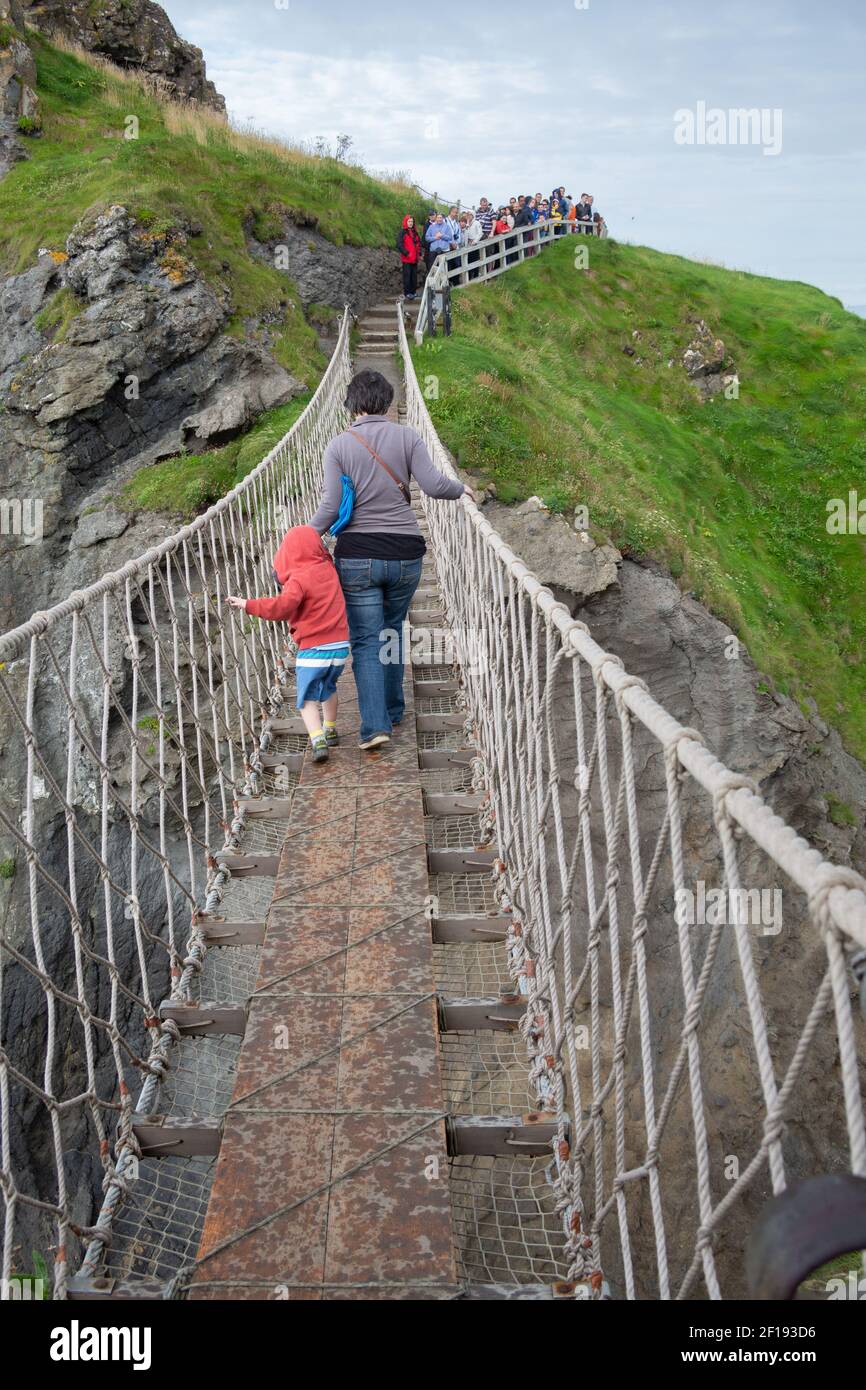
x=391 y=474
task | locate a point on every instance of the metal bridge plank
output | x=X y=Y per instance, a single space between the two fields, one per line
x=450 y=931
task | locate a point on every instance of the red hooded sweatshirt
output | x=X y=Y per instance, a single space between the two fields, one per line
x=312 y=600
x=411 y=252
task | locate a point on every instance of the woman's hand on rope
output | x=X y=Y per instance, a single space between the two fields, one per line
x=234 y=602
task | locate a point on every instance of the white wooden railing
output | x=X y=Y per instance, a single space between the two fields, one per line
x=488 y=258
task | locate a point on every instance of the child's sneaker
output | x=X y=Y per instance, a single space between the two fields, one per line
x=319 y=746
x=332 y=738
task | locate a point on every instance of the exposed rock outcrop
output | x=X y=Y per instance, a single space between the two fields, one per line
x=141 y=369
x=132 y=33
x=569 y=560
x=327 y=274
x=707 y=362
x=12 y=12
x=19 y=104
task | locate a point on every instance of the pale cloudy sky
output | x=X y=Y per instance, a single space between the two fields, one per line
x=508 y=96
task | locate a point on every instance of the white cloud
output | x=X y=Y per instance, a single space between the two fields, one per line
x=610 y=86
x=422 y=113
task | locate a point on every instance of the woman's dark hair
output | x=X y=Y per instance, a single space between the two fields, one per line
x=369 y=394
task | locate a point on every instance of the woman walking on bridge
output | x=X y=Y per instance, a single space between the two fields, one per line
x=379 y=552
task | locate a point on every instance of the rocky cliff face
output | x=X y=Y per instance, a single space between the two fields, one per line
x=19 y=104
x=113 y=356
x=139 y=370
x=324 y=273
x=132 y=33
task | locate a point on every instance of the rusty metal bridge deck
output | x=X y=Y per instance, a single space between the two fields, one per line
x=322 y=1185
x=338 y=1174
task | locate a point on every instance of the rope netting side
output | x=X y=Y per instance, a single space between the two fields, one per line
x=686 y=1089
x=131 y=720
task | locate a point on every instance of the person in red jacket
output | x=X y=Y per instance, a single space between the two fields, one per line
x=312 y=603
x=410 y=254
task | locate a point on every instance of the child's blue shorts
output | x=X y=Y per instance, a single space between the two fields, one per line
x=317 y=670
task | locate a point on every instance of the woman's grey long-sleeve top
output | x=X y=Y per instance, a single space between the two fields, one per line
x=379 y=503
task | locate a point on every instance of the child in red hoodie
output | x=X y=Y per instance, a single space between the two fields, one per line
x=312 y=603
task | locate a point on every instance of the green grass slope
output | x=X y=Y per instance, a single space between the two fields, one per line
x=185 y=160
x=537 y=395
x=186 y=166
x=190 y=483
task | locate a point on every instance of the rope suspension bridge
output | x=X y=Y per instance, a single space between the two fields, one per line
x=415 y=1024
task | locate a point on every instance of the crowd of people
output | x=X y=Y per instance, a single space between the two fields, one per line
x=471 y=229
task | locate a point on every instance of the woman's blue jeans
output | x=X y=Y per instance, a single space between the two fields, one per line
x=378 y=594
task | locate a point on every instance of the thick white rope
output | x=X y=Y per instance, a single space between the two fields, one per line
x=579 y=952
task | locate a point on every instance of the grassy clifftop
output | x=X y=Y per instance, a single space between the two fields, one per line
x=189 y=176
x=537 y=394
x=184 y=166
x=185 y=160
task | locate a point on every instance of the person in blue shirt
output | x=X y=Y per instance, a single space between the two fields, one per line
x=438 y=238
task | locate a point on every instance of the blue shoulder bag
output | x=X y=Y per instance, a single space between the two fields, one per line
x=347 y=503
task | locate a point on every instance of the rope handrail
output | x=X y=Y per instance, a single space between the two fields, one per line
x=590 y=857
x=13 y=642
x=134 y=716
x=437 y=198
